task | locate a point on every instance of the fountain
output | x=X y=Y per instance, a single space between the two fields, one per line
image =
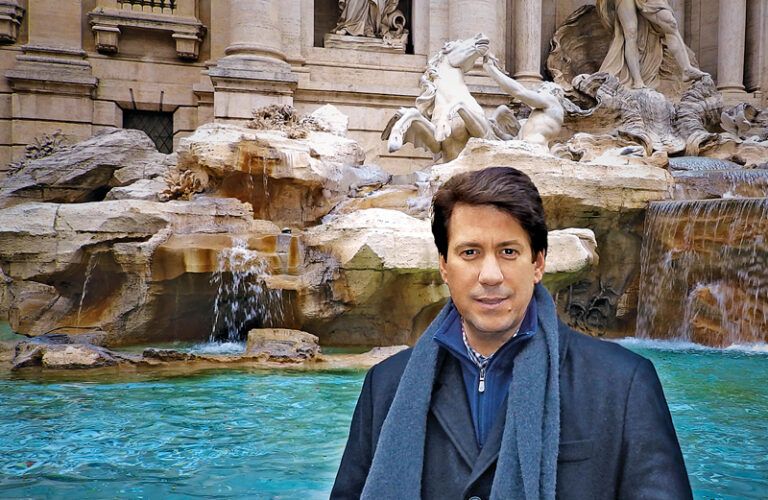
x=358 y=266
x=243 y=299
x=703 y=273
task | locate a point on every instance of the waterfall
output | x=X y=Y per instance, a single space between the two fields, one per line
x=92 y=260
x=704 y=272
x=243 y=299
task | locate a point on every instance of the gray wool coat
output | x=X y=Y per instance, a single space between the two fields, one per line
x=616 y=434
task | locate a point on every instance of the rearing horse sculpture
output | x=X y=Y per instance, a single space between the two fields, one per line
x=446 y=115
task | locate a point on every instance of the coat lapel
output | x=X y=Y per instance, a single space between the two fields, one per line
x=451 y=410
x=490 y=451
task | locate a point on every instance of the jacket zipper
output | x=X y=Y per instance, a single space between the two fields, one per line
x=481 y=384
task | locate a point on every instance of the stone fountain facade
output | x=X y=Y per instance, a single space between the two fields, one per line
x=109 y=237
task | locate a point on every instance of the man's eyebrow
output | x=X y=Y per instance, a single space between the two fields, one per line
x=463 y=244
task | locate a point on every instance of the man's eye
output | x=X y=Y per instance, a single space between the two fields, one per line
x=471 y=252
x=510 y=252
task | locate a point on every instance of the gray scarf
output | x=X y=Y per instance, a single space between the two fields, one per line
x=527 y=463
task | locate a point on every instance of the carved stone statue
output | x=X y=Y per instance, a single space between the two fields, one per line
x=636 y=52
x=548 y=105
x=371 y=18
x=446 y=115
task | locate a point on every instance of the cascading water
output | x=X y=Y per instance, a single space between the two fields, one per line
x=704 y=272
x=243 y=299
x=92 y=260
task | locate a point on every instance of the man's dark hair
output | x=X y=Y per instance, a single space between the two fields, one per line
x=505 y=188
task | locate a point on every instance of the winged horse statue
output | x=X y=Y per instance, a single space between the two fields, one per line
x=446 y=115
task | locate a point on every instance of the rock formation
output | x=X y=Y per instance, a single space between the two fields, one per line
x=289 y=181
x=87 y=171
x=282 y=345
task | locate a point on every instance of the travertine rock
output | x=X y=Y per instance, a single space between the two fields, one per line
x=62 y=356
x=331 y=119
x=282 y=345
x=572 y=252
x=289 y=181
x=138 y=270
x=87 y=170
x=573 y=193
x=142 y=189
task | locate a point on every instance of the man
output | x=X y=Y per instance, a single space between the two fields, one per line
x=498 y=399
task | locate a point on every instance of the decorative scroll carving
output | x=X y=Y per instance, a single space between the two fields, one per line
x=11 y=14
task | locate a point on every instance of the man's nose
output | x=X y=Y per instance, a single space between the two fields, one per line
x=490 y=272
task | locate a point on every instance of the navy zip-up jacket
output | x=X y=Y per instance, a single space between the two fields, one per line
x=484 y=406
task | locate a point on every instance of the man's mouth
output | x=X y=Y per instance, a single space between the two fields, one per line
x=490 y=301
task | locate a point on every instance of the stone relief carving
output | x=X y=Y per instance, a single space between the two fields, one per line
x=636 y=51
x=378 y=19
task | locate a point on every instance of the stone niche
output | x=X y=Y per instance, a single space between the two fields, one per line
x=180 y=22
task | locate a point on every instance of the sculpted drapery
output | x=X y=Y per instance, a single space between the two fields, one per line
x=636 y=51
x=648 y=41
x=365 y=17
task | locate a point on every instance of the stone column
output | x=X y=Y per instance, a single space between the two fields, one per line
x=254 y=71
x=528 y=41
x=732 y=26
x=466 y=18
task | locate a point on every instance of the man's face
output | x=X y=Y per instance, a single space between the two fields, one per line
x=490 y=271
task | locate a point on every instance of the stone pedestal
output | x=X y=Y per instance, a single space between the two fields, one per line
x=367 y=43
x=254 y=72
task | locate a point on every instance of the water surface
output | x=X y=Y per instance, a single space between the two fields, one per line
x=267 y=434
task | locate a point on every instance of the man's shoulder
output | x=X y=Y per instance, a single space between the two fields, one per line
x=598 y=354
x=388 y=372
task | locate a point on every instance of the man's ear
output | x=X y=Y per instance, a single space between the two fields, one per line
x=539 y=265
x=443 y=269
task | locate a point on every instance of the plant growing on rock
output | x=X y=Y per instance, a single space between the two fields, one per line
x=43 y=146
x=182 y=185
x=284 y=118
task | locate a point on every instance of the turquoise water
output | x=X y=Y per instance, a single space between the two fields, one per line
x=267 y=434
